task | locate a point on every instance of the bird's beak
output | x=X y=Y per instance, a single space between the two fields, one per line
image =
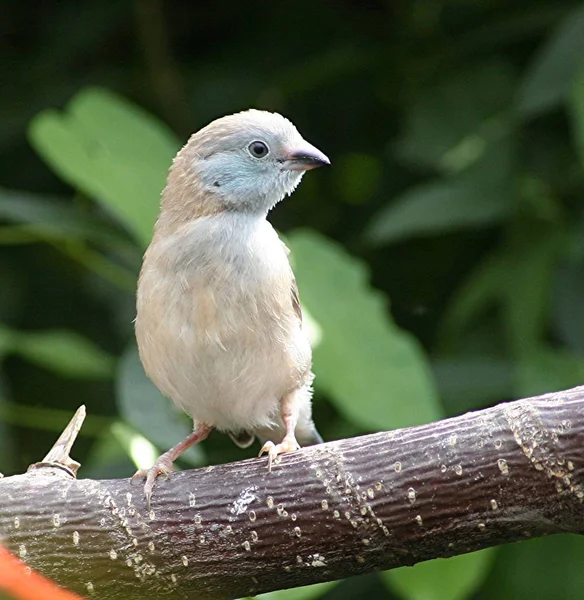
x=304 y=158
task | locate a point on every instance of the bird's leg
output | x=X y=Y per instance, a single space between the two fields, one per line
x=163 y=465
x=289 y=412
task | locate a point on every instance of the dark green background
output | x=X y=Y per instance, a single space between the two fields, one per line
x=440 y=258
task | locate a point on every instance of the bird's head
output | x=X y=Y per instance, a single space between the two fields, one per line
x=243 y=162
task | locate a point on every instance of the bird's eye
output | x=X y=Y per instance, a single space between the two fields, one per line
x=258 y=149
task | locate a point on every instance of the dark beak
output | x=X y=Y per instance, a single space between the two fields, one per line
x=304 y=158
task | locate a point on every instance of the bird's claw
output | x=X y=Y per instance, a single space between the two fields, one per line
x=288 y=444
x=162 y=466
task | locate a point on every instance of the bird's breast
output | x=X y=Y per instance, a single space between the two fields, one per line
x=215 y=313
x=221 y=280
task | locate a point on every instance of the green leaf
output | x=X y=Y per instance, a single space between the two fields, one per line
x=479 y=196
x=547 y=369
x=358 y=177
x=50 y=419
x=576 y=107
x=469 y=382
x=550 y=78
x=481 y=290
x=64 y=352
x=543 y=569
x=50 y=217
x=8 y=454
x=7 y=341
x=146 y=409
x=568 y=305
x=449 y=125
x=375 y=373
x=111 y=150
x=453 y=578
x=138 y=449
x=518 y=280
x=527 y=286
x=108 y=457
x=307 y=592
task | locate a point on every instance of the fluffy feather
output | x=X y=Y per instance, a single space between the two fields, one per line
x=218 y=324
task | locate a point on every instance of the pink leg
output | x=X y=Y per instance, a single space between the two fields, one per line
x=163 y=465
x=289 y=414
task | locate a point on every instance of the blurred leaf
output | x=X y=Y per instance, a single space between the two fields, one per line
x=358 y=177
x=527 y=286
x=548 y=370
x=575 y=241
x=480 y=291
x=73 y=232
x=142 y=453
x=4 y=596
x=549 y=80
x=568 y=305
x=50 y=418
x=146 y=409
x=111 y=150
x=109 y=457
x=449 y=126
x=307 y=592
x=518 y=280
x=512 y=27
x=64 y=352
x=479 y=196
x=469 y=382
x=577 y=109
x=538 y=199
x=543 y=569
x=453 y=578
x=325 y=65
x=8 y=457
x=50 y=217
x=364 y=362
x=7 y=340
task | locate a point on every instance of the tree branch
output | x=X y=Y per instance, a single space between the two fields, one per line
x=324 y=513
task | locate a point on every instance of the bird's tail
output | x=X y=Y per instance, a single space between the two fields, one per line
x=308 y=437
x=243 y=439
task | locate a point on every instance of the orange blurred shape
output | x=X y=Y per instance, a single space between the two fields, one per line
x=22 y=583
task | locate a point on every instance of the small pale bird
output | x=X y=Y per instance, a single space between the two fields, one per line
x=219 y=325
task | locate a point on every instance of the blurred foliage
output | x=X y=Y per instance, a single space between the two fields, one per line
x=456 y=132
x=454 y=578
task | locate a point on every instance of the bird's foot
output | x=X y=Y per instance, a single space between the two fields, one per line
x=162 y=466
x=288 y=444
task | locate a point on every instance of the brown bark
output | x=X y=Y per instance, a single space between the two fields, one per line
x=324 y=513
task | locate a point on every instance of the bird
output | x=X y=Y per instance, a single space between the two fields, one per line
x=218 y=318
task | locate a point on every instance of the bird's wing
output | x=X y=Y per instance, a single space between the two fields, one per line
x=296 y=299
